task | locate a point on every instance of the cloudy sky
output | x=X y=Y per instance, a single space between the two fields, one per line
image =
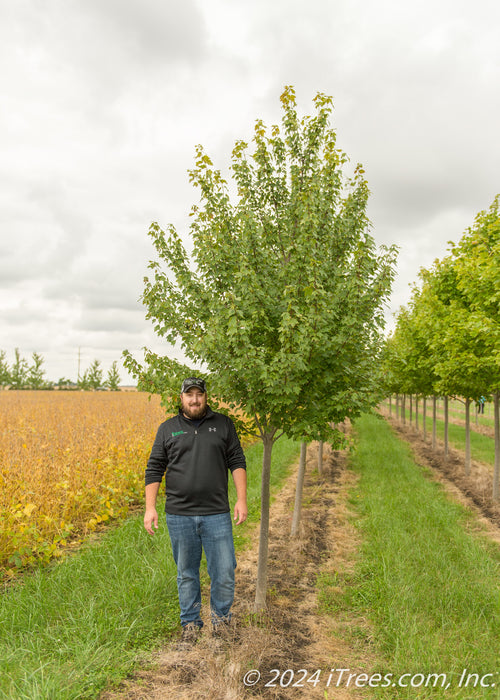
x=103 y=102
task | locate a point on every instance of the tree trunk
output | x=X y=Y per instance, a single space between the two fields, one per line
x=390 y=404
x=403 y=409
x=397 y=406
x=261 y=590
x=298 y=490
x=467 y=436
x=416 y=412
x=496 y=473
x=424 y=417
x=446 y=427
x=411 y=410
x=320 y=457
x=434 y=422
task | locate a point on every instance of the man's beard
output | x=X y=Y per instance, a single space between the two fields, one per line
x=194 y=412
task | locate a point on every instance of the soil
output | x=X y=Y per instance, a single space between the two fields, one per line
x=291 y=634
x=294 y=633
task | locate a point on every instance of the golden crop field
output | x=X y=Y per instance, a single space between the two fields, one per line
x=69 y=462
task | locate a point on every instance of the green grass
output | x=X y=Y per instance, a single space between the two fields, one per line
x=69 y=630
x=455 y=406
x=426 y=579
x=456 y=411
x=482 y=447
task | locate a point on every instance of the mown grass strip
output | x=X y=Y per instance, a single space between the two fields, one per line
x=426 y=578
x=458 y=413
x=68 y=630
x=482 y=447
x=456 y=410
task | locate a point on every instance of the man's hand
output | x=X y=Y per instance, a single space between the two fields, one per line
x=151 y=516
x=240 y=512
x=151 y=520
x=240 y=507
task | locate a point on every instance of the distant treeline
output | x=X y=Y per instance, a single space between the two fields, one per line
x=22 y=374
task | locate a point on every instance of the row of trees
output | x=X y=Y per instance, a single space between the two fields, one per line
x=22 y=374
x=281 y=300
x=93 y=378
x=447 y=340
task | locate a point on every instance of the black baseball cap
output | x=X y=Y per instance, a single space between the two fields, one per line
x=193 y=382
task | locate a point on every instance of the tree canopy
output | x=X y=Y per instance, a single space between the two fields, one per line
x=282 y=296
x=451 y=328
x=452 y=323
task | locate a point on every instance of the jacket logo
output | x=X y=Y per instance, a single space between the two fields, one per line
x=179 y=432
x=212 y=429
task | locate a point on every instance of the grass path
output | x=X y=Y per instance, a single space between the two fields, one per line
x=482 y=445
x=426 y=578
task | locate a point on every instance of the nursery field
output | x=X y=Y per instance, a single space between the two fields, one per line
x=70 y=462
x=389 y=591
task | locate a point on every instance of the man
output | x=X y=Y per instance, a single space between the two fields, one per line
x=195 y=449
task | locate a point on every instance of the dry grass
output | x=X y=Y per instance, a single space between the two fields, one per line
x=69 y=463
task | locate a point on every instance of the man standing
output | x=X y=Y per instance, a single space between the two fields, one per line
x=195 y=449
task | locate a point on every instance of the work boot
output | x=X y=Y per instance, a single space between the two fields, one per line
x=223 y=629
x=189 y=636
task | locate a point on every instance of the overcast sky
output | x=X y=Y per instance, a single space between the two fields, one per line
x=103 y=102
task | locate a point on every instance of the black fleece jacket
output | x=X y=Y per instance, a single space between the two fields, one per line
x=195 y=461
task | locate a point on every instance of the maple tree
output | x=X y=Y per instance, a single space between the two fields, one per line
x=280 y=302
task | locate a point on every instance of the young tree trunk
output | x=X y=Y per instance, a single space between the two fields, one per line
x=434 y=421
x=467 y=436
x=403 y=409
x=261 y=589
x=446 y=427
x=298 y=490
x=416 y=412
x=320 y=457
x=411 y=410
x=424 y=417
x=496 y=473
x=390 y=404
x=397 y=406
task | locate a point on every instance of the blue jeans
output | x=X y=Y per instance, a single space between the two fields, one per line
x=188 y=535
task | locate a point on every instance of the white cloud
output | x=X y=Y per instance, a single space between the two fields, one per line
x=103 y=103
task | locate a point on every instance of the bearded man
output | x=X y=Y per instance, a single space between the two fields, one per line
x=195 y=450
